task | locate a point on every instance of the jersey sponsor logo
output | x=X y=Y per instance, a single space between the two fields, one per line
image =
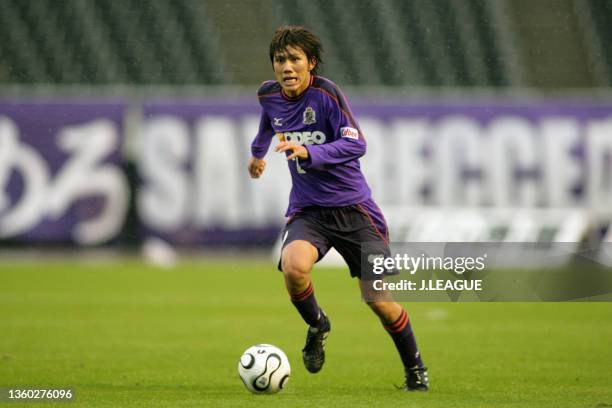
x=278 y=121
x=303 y=138
x=349 y=132
x=310 y=116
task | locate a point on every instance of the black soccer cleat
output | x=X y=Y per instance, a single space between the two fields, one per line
x=416 y=379
x=313 y=353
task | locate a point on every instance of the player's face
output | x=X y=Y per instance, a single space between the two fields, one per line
x=292 y=70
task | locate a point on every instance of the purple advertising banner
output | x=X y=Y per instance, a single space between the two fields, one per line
x=61 y=177
x=194 y=188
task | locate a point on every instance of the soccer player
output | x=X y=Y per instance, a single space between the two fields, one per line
x=330 y=204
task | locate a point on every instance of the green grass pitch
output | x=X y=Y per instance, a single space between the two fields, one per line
x=125 y=334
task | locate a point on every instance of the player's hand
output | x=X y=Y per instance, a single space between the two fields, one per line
x=256 y=167
x=297 y=150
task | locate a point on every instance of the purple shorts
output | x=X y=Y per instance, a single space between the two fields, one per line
x=356 y=231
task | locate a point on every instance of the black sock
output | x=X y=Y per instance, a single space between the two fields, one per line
x=306 y=304
x=405 y=342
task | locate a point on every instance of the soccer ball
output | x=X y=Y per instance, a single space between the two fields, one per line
x=264 y=369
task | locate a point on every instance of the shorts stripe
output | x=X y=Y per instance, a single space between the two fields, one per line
x=384 y=220
x=367 y=214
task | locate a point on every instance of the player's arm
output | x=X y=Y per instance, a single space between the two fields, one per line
x=349 y=144
x=260 y=146
x=337 y=152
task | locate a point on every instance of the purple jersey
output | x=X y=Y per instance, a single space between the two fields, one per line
x=321 y=120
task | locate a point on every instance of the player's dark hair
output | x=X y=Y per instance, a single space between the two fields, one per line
x=297 y=36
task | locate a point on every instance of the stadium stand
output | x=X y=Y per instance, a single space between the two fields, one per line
x=445 y=43
x=595 y=24
x=556 y=45
x=89 y=42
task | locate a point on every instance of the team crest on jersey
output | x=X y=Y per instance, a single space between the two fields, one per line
x=310 y=116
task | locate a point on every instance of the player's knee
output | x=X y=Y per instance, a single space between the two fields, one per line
x=295 y=267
